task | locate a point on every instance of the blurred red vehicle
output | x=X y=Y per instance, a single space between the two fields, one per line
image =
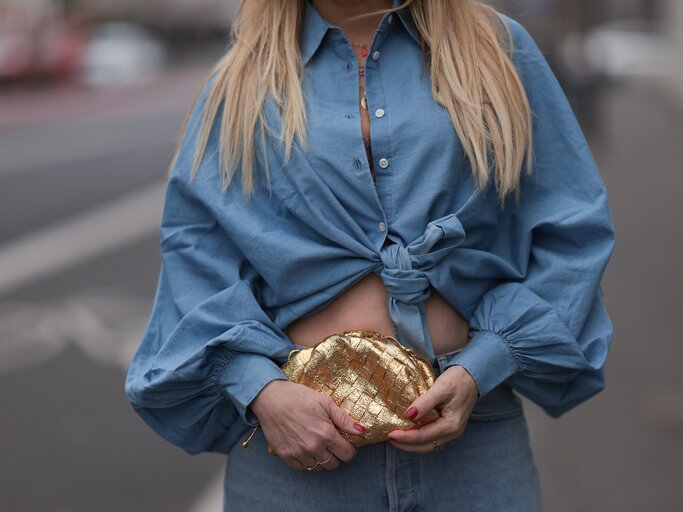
x=34 y=46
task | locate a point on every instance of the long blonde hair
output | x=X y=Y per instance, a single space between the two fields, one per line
x=471 y=71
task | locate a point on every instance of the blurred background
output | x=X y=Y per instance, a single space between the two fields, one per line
x=92 y=94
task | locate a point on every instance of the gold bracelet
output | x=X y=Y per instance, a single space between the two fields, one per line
x=245 y=443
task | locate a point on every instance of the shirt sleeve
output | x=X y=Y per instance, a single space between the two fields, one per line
x=205 y=353
x=548 y=334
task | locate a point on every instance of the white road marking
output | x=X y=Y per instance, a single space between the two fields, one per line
x=30 y=336
x=105 y=323
x=90 y=234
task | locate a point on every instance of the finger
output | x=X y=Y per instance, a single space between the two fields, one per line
x=342 y=448
x=341 y=419
x=426 y=446
x=309 y=462
x=315 y=468
x=429 y=400
x=442 y=427
x=418 y=448
x=293 y=463
x=332 y=461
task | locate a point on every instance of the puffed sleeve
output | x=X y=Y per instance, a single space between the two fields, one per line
x=548 y=334
x=205 y=353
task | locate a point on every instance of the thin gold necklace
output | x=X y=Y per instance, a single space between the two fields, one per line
x=361 y=71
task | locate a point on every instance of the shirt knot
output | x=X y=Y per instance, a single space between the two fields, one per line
x=403 y=282
x=404 y=272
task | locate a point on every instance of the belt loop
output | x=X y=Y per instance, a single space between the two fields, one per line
x=439 y=363
x=442 y=360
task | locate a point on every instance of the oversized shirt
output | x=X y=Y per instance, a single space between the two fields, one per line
x=235 y=273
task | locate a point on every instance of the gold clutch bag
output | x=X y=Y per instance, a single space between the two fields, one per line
x=371 y=376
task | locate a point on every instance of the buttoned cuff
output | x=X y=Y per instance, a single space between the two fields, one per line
x=488 y=359
x=242 y=377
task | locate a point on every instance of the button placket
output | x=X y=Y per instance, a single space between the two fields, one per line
x=379 y=132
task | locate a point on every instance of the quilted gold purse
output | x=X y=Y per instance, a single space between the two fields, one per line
x=371 y=376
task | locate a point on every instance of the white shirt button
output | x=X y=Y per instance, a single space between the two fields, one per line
x=382 y=226
x=375 y=55
x=379 y=112
x=383 y=163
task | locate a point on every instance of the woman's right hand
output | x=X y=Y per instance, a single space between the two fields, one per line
x=302 y=425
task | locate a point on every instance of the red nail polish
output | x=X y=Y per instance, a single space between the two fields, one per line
x=359 y=427
x=411 y=412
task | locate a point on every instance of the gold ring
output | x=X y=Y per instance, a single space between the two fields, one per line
x=436 y=446
x=328 y=459
x=312 y=467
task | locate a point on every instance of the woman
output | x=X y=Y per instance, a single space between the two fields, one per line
x=380 y=145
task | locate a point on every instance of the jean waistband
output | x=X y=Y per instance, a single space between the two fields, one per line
x=440 y=361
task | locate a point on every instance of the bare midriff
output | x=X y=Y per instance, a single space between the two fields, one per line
x=365 y=304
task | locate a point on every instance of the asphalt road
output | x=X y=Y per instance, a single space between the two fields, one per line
x=77 y=276
x=70 y=441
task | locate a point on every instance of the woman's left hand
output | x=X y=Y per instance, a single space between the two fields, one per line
x=453 y=394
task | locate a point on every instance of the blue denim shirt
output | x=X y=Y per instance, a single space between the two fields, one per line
x=235 y=273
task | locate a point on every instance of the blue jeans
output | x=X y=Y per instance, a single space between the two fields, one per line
x=490 y=467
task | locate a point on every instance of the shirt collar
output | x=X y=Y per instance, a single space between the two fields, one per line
x=315 y=27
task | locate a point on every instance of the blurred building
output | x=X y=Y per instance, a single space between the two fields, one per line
x=100 y=41
x=561 y=28
x=164 y=14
